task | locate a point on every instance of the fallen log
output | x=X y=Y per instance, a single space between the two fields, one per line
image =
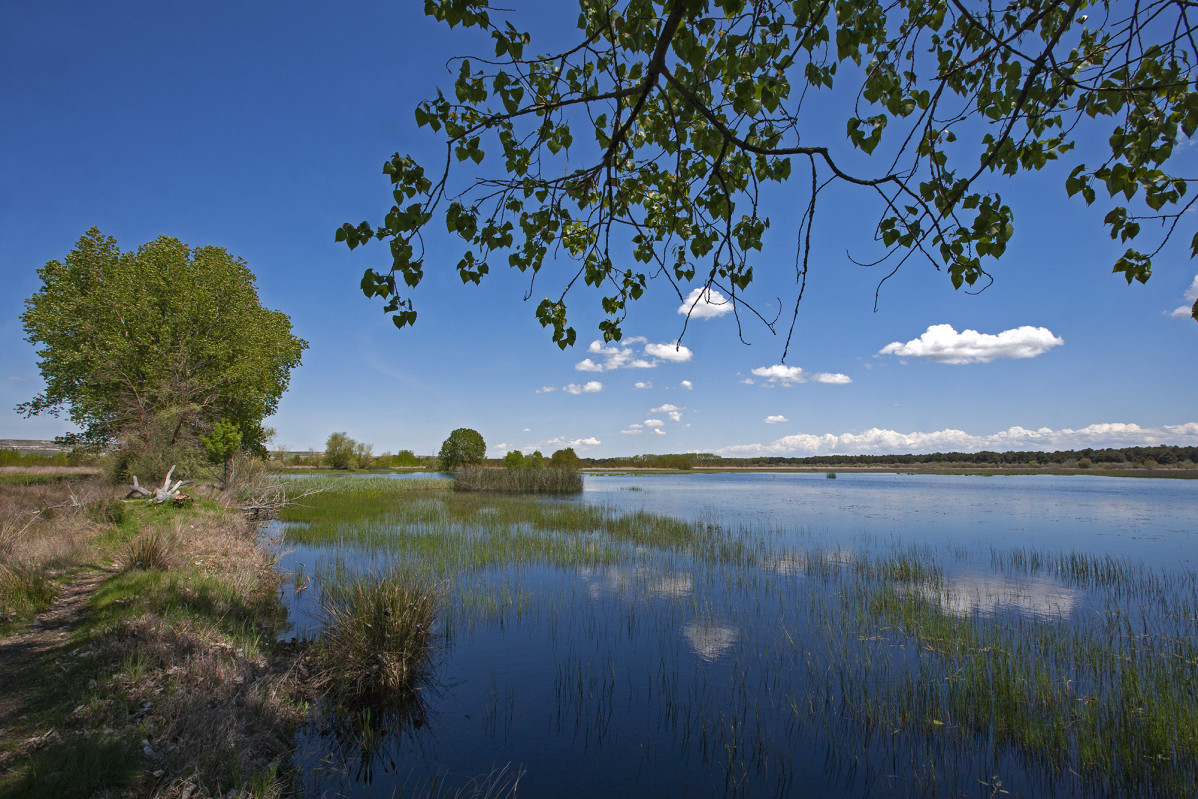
x=158 y=495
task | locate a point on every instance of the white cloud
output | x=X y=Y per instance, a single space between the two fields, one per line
x=675 y=353
x=659 y=431
x=688 y=385
x=18 y=379
x=710 y=305
x=642 y=384
x=782 y=375
x=561 y=442
x=1180 y=312
x=666 y=408
x=632 y=353
x=943 y=344
x=675 y=416
x=633 y=430
x=654 y=423
x=776 y=419
x=891 y=442
x=589 y=387
x=546 y=389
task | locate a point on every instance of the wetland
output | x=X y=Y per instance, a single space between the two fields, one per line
x=767 y=634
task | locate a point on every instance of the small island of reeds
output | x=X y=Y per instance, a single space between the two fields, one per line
x=484 y=480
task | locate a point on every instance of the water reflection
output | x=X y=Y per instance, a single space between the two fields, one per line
x=974 y=592
x=623 y=582
x=818 y=562
x=709 y=639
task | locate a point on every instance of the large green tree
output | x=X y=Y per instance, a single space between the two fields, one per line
x=641 y=148
x=463 y=447
x=155 y=346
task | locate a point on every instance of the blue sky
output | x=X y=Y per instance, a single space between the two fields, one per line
x=261 y=127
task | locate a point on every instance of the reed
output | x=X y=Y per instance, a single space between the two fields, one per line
x=480 y=479
x=150 y=550
x=379 y=636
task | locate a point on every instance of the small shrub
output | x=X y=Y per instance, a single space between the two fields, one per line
x=1084 y=463
x=148 y=551
x=379 y=636
x=109 y=510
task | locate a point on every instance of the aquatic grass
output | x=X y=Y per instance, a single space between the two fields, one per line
x=379 y=637
x=485 y=480
x=887 y=654
x=457 y=531
x=1111 y=703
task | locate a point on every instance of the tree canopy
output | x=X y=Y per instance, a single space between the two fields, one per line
x=463 y=447
x=640 y=150
x=156 y=345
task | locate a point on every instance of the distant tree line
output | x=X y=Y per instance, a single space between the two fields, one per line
x=342 y=452
x=1109 y=457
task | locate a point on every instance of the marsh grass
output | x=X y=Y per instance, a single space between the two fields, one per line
x=379 y=635
x=480 y=479
x=452 y=532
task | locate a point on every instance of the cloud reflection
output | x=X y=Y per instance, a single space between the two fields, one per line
x=965 y=594
x=620 y=581
x=708 y=639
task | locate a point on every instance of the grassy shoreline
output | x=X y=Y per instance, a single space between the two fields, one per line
x=146 y=663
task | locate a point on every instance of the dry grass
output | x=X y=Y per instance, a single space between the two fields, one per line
x=44 y=532
x=81 y=471
x=177 y=669
x=208 y=707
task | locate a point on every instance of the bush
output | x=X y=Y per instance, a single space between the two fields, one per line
x=109 y=510
x=148 y=551
x=150 y=461
x=342 y=452
x=479 y=479
x=339 y=451
x=405 y=457
x=378 y=637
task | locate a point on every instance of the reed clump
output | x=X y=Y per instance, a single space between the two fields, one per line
x=480 y=479
x=150 y=550
x=379 y=638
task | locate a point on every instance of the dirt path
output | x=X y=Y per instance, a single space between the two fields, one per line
x=45 y=640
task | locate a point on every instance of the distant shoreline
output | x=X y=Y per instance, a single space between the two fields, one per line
x=998 y=471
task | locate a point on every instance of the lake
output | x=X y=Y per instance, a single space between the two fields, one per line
x=790 y=634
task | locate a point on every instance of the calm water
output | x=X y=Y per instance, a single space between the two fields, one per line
x=665 y=674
